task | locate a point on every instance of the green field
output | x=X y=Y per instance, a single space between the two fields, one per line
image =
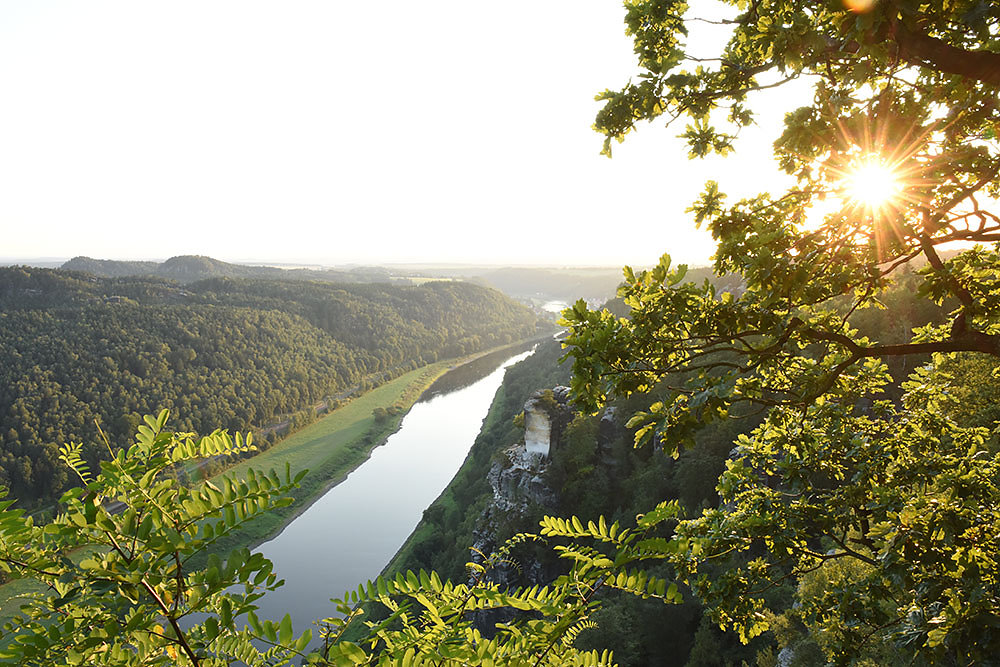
x=329 y=448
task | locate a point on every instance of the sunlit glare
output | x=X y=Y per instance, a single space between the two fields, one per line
x=872 y=184
x=860 y=6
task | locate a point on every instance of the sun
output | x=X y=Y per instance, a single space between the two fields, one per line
x=872 y=184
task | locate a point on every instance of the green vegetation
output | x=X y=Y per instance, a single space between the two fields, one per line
x=140 y=599
x=875 y=505
x=226 y=353
x=856 y=521
x=124 y=602
x=442 y=539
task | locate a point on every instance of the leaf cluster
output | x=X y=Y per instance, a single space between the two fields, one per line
x=116 y=562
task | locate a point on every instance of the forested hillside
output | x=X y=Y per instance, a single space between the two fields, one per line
x=191 y=268
x=225 y=353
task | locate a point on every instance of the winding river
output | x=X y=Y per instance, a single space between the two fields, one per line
x=352 y=532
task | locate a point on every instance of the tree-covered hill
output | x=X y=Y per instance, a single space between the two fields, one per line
x=111 y=268
x=190 y=268
x=227 y=353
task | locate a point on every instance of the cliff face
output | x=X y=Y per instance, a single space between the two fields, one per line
x=518 y=478
x=521 y=491
x=537 y=429
x=518 y=481
x=545 y=411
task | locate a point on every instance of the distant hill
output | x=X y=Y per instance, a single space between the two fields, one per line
x=562 y=284
x=541 y=284
x=595 y=285
x=110 y=268
x=534 y=285
x=191 y=268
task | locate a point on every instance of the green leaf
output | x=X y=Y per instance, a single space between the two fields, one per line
x=285 y=630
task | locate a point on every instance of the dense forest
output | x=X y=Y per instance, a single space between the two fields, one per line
x=78 y=350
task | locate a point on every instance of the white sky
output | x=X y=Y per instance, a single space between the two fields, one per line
x=333 y=132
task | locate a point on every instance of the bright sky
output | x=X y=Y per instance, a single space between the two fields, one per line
x=335 y=132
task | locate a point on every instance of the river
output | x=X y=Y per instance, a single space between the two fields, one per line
x=352 y=532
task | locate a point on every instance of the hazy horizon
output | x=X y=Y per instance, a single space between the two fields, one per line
x=322 y=133
x=44 y=261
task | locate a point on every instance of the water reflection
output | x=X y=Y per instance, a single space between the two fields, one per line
x=472 y=372
x=350 y=534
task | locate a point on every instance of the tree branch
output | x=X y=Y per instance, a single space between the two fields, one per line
x=918 y=48
x=963 y=341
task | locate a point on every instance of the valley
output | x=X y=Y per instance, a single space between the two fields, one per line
x=239 y=354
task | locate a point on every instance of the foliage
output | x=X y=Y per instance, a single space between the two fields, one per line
x=594 y=471
x=433 y=622
x=840 y=470
x=903 y=493
x=134 y=598
x=928 y=113
x=975 y=388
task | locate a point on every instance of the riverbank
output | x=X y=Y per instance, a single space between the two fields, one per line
x=348 y=534
x=330 y=448
x=335 y=445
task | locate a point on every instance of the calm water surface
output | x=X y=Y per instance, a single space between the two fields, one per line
x=350 y=534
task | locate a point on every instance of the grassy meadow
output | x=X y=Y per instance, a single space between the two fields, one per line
x=330 y=448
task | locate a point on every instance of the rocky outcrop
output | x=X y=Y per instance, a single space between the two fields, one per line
x=545 y=415
x=517 y=479
x=537 y=428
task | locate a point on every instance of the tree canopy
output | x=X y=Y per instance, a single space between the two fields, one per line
x=902 y=92
x=879 y=489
